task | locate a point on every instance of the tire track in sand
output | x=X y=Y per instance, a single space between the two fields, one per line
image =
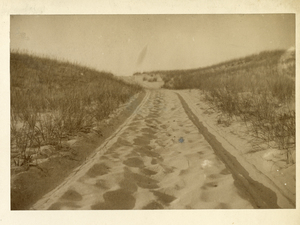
x=157 y=160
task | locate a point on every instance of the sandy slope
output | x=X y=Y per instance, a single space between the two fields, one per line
x=157 y=160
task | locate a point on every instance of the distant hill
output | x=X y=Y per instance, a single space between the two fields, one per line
x=282 y=60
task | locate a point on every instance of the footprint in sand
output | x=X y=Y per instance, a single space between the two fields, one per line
x=98 y=170
x=118 y=199
x=134 y=162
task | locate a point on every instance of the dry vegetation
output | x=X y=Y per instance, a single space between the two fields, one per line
x=259 y=89
x=52 y=100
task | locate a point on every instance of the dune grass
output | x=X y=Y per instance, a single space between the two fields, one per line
x=51 y=100
x=259 y=89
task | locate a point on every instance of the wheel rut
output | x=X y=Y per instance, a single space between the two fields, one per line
x=158 y=160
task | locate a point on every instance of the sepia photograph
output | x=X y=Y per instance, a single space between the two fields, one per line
x=152 y=112
x=162 y=112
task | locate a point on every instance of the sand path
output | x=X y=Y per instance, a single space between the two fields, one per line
x=157 y=160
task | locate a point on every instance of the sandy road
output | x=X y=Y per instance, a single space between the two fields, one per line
x=157 y=160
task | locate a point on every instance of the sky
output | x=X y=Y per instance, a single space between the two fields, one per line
x=125 y=44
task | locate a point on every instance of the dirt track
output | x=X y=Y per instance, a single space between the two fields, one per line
x=159 y=160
